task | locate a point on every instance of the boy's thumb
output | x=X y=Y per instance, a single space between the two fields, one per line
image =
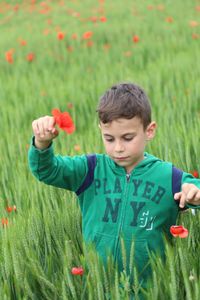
x=56 y=133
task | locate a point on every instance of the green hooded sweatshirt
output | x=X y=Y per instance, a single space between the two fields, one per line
x=138 y=207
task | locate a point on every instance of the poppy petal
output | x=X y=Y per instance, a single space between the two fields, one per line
x=63 y=120
x=179 y=231
x=184 y=234
x=77 y=271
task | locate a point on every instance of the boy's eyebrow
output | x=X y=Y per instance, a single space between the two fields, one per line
x=123 y=135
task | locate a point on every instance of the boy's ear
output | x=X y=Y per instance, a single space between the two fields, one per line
x=99 y=125
x=151 y=130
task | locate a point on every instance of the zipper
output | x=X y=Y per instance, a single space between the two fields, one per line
x=128 y=176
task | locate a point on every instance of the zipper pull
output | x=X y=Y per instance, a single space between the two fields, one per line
x=128 y=176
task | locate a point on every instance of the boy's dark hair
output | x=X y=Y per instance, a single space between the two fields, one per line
x=124 y=100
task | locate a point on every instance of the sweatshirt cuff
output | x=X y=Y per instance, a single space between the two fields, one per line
x=40 y=150
x=193 y=206
x=36 y=155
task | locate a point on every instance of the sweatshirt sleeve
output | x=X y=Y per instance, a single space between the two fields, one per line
x=188 y=178
x=60 y=171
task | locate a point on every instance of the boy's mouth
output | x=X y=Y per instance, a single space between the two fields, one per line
x=121 y=158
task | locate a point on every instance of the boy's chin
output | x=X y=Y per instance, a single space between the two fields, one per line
x=122 y=163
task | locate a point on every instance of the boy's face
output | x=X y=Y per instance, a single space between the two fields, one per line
x=125 y=140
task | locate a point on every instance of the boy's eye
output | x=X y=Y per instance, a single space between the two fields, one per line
x=128 y=138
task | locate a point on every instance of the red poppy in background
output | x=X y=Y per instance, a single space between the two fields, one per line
x=94 y=19
x=9 y=209
x=103 y=19
x=179 y=231
x=63 y=120
x=90 y=43
x=195 y=173
x=87 y=35
x=22 y=42
x=150 y=7
x=4 y=221
x=9 y=56
x=16 y=7
x=77 y=271
x=60 y=35
x=195 y=36
x=136 y=38
x=30 y=57
x=193 y=23
x=77 y=147
x=169 y=20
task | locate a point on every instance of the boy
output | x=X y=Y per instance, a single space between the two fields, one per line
x=125 y=193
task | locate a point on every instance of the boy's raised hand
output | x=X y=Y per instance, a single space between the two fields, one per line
x=190 y=194
x=44 y=131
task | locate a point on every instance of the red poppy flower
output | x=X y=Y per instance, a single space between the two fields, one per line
x=179 y=231
x=193 y=23
x=63 y=120
x=150 y=7
x=87 y=35
x=195 y=173
x=103 y=19
x=77 y=271
x=195 y=36
x=9 y=56
x=169 y=20
x=30 y=57
x=77 y=147
x=94 y=19
x=4 y=221
x=23 y=42
x=9 y=209
x=136 y=38
x=90 y=43
x=60 y=35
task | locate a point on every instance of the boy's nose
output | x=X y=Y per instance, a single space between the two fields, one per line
x=119 y=147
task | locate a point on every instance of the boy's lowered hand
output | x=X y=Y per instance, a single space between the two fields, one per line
x=190 y=194
x=44 y=131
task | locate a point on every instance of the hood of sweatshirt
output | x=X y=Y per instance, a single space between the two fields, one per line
x=143 y=166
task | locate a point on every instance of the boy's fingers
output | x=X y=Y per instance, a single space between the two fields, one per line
x=41 y=128
x=51 y=124
x=38 y=129
x=35 y=127
x=182 y=200
x=181 y=197
x=191 y=194
x=54 y=132
x=177 y=195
